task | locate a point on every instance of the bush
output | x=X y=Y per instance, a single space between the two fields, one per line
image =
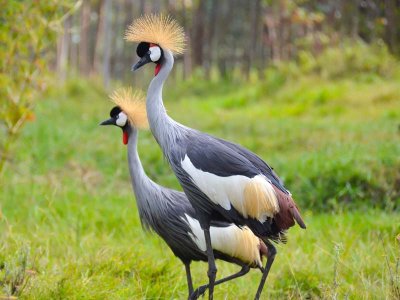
x=27 y=31
x=349 y=59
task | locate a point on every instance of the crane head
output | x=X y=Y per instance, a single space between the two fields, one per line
x=120 y=119
x=149 y=52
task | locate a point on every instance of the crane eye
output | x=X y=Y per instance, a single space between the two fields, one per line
x=155 y=53
x=121 y=119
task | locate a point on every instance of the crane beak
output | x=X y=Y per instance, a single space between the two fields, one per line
x=144 y=60
x=110 y=121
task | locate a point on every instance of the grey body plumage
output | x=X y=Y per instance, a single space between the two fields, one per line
x=162 y=210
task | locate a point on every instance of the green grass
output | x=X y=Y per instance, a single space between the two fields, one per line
x=69 y=227
x=344 y=255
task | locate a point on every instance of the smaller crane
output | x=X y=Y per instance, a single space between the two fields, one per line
x=169 y=213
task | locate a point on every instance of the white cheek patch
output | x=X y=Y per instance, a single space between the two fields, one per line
x=122 y=118
x=155 y=53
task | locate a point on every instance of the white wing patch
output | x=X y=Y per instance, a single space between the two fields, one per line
x=198 y=234
x=254 y=197
x=231 y=240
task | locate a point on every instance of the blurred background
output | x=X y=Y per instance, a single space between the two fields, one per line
x=310 y=86
x=224 y=38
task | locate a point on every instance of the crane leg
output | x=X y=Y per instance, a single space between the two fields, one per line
x=189 y=278
x=212 y=269
x=202 y=289
x=270 y=260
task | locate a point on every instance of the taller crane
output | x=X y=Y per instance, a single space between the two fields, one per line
x=222 y=180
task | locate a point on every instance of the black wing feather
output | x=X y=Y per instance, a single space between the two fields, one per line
x=265 y=169
x=210 y=155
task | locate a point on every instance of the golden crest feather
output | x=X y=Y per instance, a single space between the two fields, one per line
x=158 y=29
x=133 y=104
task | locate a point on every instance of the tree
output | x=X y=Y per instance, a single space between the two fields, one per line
x=27 y=33
x=103 y=42
x=84 y=62
x=197 y=38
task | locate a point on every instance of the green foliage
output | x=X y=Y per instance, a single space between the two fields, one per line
x=14 y=272
x=335 y=143
x=93 y=248
x=354 y=59
x=27 y=32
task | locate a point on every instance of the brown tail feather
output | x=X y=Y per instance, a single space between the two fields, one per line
x=288 y=211
x=263 y=249
x=297 y=217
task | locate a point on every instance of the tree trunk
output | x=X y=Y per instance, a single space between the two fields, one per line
x=142 y=7
x=107 y=42
x=156 y=8
x=251 y=52
x=128 y=57
x=355 y=20
x=270 y=27
x=265 y=47
x=390 y=33
x=222 y=23
x=208 y=51
x=63 y=50
x=84 y=39
x=103 y=42
x=98 y=49
x=187 y=61
x=198 y=34
x=74 y=60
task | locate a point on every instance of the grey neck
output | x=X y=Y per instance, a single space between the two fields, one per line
x=152 y=200
x=164 y=129
x=141 y=184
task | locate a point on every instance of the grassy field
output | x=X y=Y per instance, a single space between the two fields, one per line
x=69 y=226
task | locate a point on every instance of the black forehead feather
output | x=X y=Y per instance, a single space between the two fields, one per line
x=142 y=49
x=115 y=111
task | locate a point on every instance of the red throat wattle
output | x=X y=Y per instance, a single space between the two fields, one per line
x=157 y=69
x=125 y=137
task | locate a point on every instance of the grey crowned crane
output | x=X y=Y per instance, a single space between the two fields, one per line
x=222 y=180
x=169 y=213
